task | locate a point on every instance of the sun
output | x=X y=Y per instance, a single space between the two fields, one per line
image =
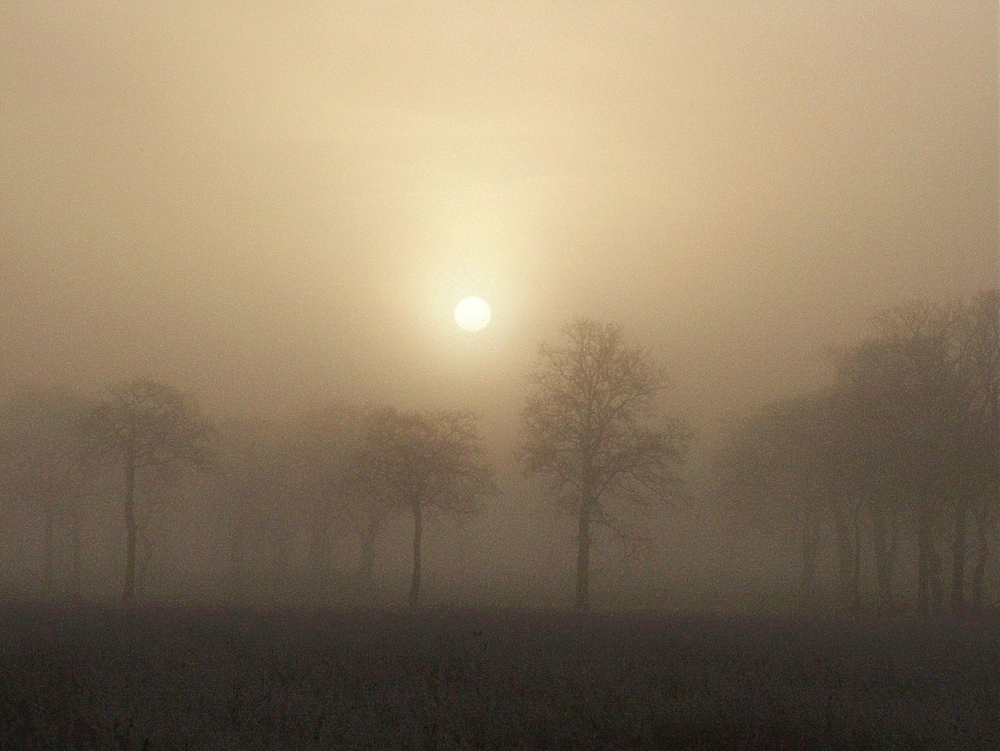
x=472 y=314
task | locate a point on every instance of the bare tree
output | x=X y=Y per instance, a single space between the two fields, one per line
x=926 y=384
x=144 y=425
x=415 y=461
x=792 y=466
x=908 y=375
x=909 y=427
x=588 y=429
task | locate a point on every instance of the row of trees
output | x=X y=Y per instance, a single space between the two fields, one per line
x=590 y=431
x=900 y=452
x=902 y=446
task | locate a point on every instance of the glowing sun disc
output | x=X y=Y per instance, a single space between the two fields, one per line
x=472 y=314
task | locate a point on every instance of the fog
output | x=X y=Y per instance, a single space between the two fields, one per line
x=277 y=208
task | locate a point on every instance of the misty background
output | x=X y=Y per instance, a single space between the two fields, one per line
x=279 y=208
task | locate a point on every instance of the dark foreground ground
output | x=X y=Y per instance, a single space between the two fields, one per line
x=199 y=679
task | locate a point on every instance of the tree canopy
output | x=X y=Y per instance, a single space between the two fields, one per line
x=416 y=460
x=144 y=425
x=589 y=429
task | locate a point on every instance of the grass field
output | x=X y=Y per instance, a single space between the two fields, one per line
x=184 y=678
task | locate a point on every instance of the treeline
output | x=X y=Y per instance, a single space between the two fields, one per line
x=324 y=472
x=898 y=454
x=902 y=449
x=589 y=430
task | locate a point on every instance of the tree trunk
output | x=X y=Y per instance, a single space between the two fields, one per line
x=810 y=549
x=924 y=543
x=892 y=555
x=237 y=546
x=280 y=559
x=366 y=561
x=144 y=564
x=856 y=559
x=985 y=536
x=958 y=559
x=128 y=596
x=49 y=543
x=417 y=532
x=582 y=603
x=885 y=534
x=844 y=553
x=935 y=577
x=77 y=543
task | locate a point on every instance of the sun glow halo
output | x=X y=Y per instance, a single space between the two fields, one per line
x=472 y=314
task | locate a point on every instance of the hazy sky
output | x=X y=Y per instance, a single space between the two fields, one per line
x=274 y=203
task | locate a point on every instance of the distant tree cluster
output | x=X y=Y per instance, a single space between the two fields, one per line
x=898 y=454
x=340 y=470
x=903 y=445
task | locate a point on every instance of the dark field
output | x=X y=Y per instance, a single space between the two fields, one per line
x=176 y=678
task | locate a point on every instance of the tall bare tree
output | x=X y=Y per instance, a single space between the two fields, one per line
x=588 y=427
x=144 y=425
x=415 y=461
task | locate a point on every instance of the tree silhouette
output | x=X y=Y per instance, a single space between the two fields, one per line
x=771 y=473
x=982 y=368
x=588 y=429
x=909 y=427
x=909 y=376
x=414 y=461
x=144 y=425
